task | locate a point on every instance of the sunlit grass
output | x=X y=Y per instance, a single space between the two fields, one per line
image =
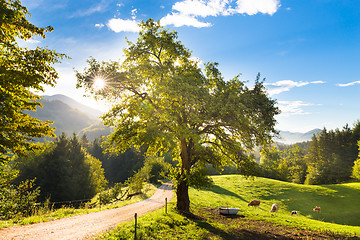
x=237 y=191
x=339 y=203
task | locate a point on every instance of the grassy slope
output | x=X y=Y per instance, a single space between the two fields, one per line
x=339 y=204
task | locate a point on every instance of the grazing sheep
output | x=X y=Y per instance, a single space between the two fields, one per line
x=293 y=212
x=255 y=203
x=317 y=209
x=274 y=208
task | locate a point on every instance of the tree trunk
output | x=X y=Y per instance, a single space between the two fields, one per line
x=182 y=193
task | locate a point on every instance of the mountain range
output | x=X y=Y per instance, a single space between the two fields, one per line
x=287 y=137
x=70 y=116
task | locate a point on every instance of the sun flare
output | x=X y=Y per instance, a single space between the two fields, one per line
x=99 y=83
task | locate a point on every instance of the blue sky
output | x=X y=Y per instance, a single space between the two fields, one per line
x=308 y=50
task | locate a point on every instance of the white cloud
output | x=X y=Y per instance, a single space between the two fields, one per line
x=293 y=107
x=252 y=7
x=317 y=82
x=32 y=41
x=179 y=20
x=191 y=10
x=348 y=84
x=99 y=25
x=286 y=85
x=201 y=8
x=120 y=25
x=133 y=14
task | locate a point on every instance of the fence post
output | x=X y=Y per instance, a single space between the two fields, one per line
x=166 y=205
x=135 y=225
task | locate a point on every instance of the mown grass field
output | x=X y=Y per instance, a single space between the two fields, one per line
x=339 y=218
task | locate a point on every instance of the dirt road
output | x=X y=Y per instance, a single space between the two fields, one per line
x=88 y=225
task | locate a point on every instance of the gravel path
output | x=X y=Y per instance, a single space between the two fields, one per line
x=88 y=225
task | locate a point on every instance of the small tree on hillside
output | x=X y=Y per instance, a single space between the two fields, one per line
x=163 y=100
x=356 y=167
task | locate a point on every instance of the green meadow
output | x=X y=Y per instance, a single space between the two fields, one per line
x=339 y=218
x=339 y=203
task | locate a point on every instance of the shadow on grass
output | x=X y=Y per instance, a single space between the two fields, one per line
x=239 y=234
x=222 y=191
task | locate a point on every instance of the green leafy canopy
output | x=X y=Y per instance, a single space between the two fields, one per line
x=22 y=72
x=163 y=99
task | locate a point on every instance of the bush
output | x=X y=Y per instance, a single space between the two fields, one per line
x=18 y=200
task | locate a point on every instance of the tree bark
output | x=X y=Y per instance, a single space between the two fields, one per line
x=182 y=194
x=182 y=191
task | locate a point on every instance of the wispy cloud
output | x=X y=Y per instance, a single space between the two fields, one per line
x=192 y=10
x=133 y=14
x=99 y=25
x=179 y=20
x=348 y=84
x=101 y=7
x=286 y=85
x=121 y=25
x=33 y=41
x=289 y=108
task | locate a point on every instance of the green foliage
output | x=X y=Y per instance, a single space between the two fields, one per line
x=18 y=200
x=270 y=161
x=23 y=73
x=22 y=70
x=329 y=158
x=111 y=195
x=136 y=183
x=63 y=170
x=356 y=167
x=155 y=168
x=118 y=167
x=332 y=154
x=164 y=101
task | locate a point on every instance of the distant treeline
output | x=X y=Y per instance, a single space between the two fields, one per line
x=328 y=158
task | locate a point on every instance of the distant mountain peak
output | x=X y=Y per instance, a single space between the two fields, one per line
x=94 y=113
x=288 y=137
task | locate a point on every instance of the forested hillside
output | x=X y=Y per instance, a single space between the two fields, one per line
x=328 y=158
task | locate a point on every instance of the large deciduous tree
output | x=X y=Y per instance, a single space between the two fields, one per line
x=162 y=99
x=22 y=71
